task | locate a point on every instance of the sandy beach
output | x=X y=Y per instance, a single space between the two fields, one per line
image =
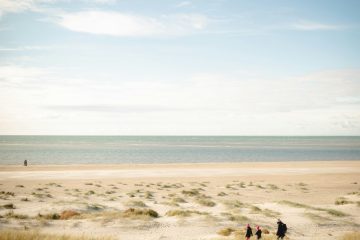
x=317 y=200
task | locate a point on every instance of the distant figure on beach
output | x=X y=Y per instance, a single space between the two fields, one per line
x=25 y=162
x=258 y=232
x=248 y=232
x=281 y=231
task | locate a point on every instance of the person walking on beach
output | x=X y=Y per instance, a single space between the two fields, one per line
x=258 y=232
x=25 y=162
x=281 y=231
x=248 y=232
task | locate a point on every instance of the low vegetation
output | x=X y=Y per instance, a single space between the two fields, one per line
x=184 y=213
x=225 y=231
x=33 y=235
x=351 y=236
x=332 y=212
x=138 y=213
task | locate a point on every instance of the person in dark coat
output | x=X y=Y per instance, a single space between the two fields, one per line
x=281 y=231
x=258 y=232
x=25 y=163
x=248 y=232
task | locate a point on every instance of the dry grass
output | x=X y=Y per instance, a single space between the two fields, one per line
x=342 y=201
x=32 y=235
x=11 y=214
x=183 y=213
x=134 y=203
x=67 y=214
x=139 y=213
x=225 y=231
x=351 y=236
x=192 y=192
x=330 y=211
x=205 y=202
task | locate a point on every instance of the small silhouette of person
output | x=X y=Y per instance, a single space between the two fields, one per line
x=25 y=162
x=258 y=232
x=248 y=232
x=281 y=231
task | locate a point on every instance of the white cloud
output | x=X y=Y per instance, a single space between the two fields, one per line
x=312 y=26
x=322 y=103
x=120 y=24
x=183 y=4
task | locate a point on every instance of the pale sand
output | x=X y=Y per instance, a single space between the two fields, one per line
x=318 y=184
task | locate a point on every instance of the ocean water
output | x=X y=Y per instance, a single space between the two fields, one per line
x=173 y=149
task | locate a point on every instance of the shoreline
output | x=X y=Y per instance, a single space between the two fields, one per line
x=175 y=170
x=294 y=163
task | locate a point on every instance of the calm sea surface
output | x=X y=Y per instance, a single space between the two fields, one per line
x=161 y=149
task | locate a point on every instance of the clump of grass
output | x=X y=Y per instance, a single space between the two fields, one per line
x=89 y=184
x=95 y=207
x=34 y=235
x=11 y=214
x=332 y=212
x=205 y=202
x=134 y=203
x=316 y=218
x=9 y=206
x=183 y=213
x=192 y=192
x=234 y=204
x=238 y=218
x=20 y=186
x=110 y=192
x=67 y=214
x=301 y=184
x=24 y=199
x=148 y=195
x=221 y=194
x=342 y=201
x=91 y=192
x=351 y=236
x=255 y=209
x=178 y=200
x=259 y=186
x=225 y=231
x=49 y=216
x=271 y=213
x=273 y=187
x=7 y=193
x=136 y=213
x=41 y=195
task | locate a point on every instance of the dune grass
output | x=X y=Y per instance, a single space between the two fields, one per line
x=33 y=235
x=184 y=213
x=342 y=201
x=225 y=231
x=329 y=211
x=351 y=236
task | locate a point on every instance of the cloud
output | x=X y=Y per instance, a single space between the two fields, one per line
x=112 y=108
x=25 y=48
x=183 y=4
x=13 y=74
x=313 y=26
x=120 y=24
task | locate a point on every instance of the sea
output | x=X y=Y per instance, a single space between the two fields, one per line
x=174 y=149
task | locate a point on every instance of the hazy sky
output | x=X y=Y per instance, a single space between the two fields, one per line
x=163 y=67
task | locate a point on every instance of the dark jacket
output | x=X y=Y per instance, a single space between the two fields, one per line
x=248 y=232
x=281 y=229
x=258 y=234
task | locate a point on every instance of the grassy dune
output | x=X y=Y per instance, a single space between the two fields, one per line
x=33 y=235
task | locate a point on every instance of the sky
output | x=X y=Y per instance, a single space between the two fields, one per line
x=173 y=67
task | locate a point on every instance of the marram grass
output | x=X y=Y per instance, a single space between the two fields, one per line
x=34 y=235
